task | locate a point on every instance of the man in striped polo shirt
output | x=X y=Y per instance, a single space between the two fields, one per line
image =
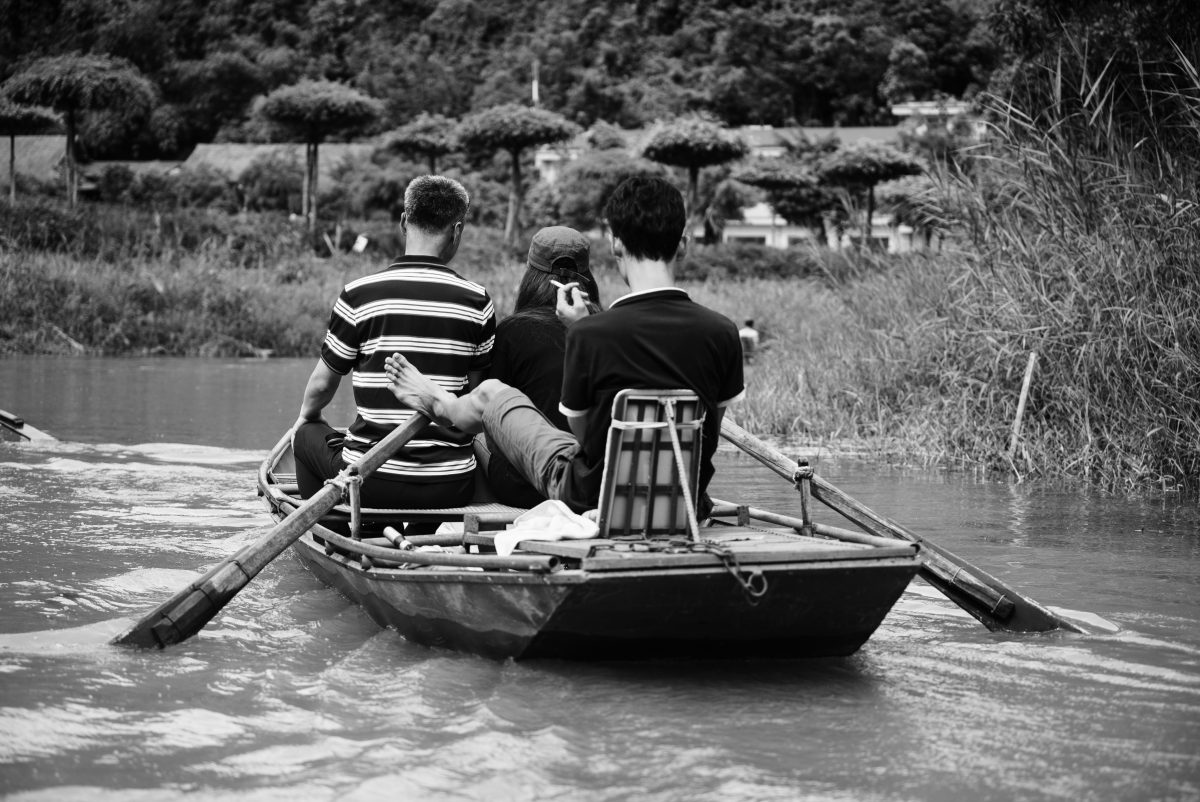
x=440 y=321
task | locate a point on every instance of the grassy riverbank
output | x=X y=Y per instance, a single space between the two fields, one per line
x=920 y=358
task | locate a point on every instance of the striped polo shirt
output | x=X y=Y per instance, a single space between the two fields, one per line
x=443 y=324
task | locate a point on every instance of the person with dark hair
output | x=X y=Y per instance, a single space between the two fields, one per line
x=654 y=337
x=440 y=321
x=530 y=344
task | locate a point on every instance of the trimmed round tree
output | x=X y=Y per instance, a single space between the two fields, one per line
x=860 y=167
x=15 y=121
x=512 y=127
x=693 y=143
x=312 y=111
x=74 y=83
x=585 y=183
x=793 y=190
x=429 y=135
x=914 y=200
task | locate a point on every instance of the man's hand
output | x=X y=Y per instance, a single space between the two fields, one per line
x=570 y=306
x=411 y=387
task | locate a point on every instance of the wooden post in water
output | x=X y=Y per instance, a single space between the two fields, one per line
x=1016 y=427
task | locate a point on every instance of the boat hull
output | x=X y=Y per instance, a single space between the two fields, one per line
x=809 y=609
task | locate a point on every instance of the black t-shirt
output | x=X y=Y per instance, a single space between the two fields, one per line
x=528 y=355
x=660 y=340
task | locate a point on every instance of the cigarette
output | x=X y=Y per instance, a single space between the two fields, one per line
x=558 y=284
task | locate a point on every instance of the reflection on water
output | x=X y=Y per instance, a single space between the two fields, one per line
x=293 y=693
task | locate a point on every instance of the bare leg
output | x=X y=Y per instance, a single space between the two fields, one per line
x=417 y=391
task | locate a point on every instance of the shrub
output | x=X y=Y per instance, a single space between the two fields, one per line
x=744 y=261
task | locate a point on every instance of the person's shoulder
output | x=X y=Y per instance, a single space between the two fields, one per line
x=715 y=318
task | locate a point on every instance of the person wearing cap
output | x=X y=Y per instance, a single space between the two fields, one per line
x=438 y=319
x=530 y=344
x=654 y=337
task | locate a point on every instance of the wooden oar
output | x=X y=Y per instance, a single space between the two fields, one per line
x=186 y=613
x=18 y=426
x=995 y=604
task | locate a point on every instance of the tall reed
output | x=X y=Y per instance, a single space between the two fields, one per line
x=1085 y=228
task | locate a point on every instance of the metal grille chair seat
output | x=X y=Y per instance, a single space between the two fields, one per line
x=652 y=464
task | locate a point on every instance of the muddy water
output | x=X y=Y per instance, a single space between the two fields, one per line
x=293 y=693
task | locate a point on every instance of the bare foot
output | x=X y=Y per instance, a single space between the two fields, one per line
x=411 y=387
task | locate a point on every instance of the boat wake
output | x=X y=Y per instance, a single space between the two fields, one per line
x=73 y=641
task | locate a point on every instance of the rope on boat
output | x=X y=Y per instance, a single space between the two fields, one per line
x=753 y=583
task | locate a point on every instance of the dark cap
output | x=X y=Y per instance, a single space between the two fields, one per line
x=553 y=243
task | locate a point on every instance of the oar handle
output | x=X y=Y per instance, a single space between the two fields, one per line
x=186 y=612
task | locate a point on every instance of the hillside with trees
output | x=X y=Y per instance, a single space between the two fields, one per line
x=810 y=62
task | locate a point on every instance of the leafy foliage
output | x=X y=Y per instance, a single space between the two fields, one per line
x=792 y=189
x=752 y=62
x=315 y=110
x=864 y=164
x=73 y=82
x=513 y=127
x=18 y=120
x=586 y=183
x=693 y=142
x=429 y=135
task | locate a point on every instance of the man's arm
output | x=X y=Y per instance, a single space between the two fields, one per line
x=321 y=388
x=578 y=424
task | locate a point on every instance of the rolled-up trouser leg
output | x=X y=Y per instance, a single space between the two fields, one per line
x=539 y=450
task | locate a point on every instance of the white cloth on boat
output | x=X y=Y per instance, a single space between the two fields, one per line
x=550 y=520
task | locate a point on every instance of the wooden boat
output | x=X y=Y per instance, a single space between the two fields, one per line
x=654 y=583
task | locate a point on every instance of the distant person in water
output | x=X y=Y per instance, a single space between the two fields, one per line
x=655 y=337
x=749 y=337
x=530 y=344
x=441 y=322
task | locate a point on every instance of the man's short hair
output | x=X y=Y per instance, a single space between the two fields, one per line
x=434 y=203
x=647 y=215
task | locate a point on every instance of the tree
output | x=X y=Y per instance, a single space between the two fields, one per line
x=793 y=191
x=513 y=128
x=18 y=121
x=693 y=143
x=859 y=167
x=429 y=135
x=913 y=200
x=908 y=75
x=312 y=111
x=73 y=83
x=585 y=184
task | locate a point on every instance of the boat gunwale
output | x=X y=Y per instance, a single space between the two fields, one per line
x=569 y=576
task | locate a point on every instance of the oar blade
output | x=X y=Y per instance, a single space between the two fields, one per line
x=185 y=613
x=16 y=425
x=993 y=603
x=996 y=605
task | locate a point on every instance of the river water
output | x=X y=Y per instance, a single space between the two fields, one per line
x=292 y=693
